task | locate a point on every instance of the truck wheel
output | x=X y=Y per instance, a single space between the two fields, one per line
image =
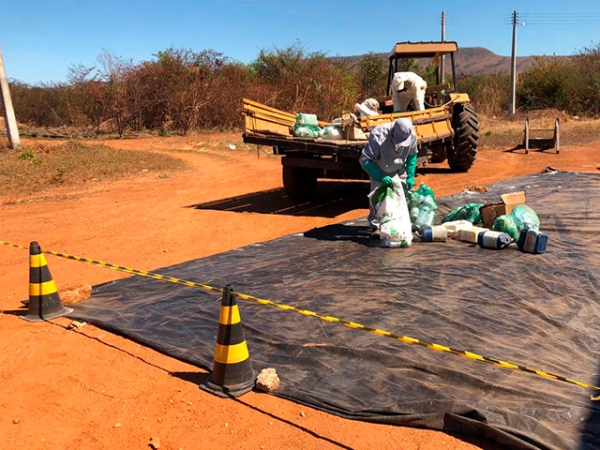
x=299 y=183
x=462 y=153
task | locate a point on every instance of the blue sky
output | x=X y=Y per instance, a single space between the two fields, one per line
x=40 y=40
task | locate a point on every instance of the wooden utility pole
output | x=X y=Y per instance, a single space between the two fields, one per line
x=442 y=65
x=12 y=131
x=513 y=68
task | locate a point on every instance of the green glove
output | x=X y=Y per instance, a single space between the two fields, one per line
x=411 y=168
x=387 y=181
x=374 y=171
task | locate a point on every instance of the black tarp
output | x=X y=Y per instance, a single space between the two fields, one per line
x=541 y=311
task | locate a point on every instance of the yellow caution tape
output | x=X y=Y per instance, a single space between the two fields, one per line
x=353 y=325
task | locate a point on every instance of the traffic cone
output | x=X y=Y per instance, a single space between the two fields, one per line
x=44 y=301
x=232 y=374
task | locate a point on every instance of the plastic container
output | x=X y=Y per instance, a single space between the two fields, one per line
x=532 y=241
x=394 y=244
x=453 y=227
x=469 y=234
x=493 y=239
x=433 y=234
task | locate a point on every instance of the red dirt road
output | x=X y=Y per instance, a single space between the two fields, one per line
x=91 y=389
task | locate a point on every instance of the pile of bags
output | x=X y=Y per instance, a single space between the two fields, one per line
x=520 y=228
x=521 y=217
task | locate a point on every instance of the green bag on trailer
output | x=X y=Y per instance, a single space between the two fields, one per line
x=307 y=126
x=307 y=131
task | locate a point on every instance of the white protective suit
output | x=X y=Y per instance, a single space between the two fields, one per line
x=407 y=86
x=390 y=151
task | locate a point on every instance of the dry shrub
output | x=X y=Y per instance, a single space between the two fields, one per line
x=488 y=92
x=181 y=90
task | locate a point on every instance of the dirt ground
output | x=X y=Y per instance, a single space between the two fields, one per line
x=86 y=388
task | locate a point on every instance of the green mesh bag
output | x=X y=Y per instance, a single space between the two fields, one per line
x=522 y=216
x=525 y=217
x=307 y=131
x=506 y=224
x=469 y=212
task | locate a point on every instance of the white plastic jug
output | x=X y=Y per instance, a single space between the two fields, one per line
x=455 y=225
x=470 y=234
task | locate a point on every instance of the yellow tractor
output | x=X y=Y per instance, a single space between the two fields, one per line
x=446 y=129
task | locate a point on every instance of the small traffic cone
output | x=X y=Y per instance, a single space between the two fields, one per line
x=232 y=374
x=44 y=301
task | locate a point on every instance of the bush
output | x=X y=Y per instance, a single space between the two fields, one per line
x=181 y=90
x=488 y=92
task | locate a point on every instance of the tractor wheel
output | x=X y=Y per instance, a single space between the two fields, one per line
x=466 y=137
x=299 y=183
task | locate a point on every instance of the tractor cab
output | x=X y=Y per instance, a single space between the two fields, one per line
x=432 y=53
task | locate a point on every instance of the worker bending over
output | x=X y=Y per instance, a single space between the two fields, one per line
x=407 y=86
x=391 y=150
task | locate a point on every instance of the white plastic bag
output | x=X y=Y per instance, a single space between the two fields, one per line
x=392 y=213
x=333 y=132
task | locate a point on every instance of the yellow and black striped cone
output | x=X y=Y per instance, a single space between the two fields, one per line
x=44 y=301
x=232 y=374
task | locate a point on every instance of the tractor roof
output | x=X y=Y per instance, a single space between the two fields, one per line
x=423 y=49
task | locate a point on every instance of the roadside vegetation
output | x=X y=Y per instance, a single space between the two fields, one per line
x=39 y=167
x=180 y=91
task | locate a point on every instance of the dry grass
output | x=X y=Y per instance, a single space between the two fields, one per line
x=504 y=132
x=39 y=167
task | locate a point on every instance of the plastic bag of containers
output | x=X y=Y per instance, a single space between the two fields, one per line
x=469 y=212
x=422 y=206
x=307 y=131
x=307 y=125
x=391 y=211
x=333 y=132
x=521 y=217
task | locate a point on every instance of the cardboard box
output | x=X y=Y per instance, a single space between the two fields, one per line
x=354 y=133
x=490 y=211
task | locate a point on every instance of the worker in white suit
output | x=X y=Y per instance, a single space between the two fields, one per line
x=407 y=86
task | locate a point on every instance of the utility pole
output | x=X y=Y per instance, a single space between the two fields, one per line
x=513 y=68
x=12 y=132
x=442 y=66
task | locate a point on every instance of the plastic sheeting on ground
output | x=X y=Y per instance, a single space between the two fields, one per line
x=541 y=311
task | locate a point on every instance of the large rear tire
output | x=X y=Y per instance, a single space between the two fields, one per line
x=299 y=183
x=462 y=153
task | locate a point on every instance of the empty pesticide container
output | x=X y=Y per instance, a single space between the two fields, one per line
x=532 y=241
x=469 y=234
x=436 y=233
x=493 y=239
x=453 y=227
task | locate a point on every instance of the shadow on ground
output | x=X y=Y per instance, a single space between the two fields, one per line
x=589 y=432
x=433 y=170
x=330 y=200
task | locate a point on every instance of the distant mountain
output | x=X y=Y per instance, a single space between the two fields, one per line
x=471 y=60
